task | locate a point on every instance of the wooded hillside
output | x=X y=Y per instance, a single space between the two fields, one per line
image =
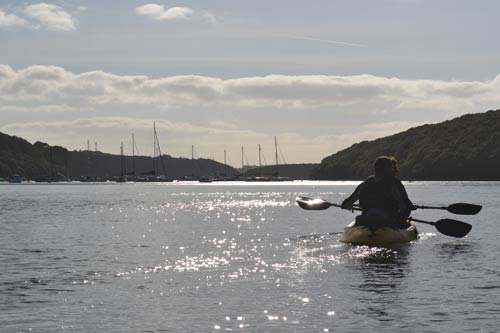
x=464 y=148
x=41 y=161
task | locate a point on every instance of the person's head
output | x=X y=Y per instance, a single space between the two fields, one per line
x=385 y=166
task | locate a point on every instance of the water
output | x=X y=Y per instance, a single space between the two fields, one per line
x=241 y=257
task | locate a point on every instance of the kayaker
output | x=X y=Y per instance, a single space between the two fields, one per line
x=382 y=197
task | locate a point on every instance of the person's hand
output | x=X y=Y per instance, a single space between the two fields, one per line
x=403 y=221
x=347 y=205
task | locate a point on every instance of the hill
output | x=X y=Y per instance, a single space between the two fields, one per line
x=41 y=161
x=464 y=148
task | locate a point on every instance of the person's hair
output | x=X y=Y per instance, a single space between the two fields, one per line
x=383 y=162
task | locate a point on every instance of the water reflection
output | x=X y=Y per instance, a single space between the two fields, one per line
x=383 y=273
x=384 y=270
x=452 y=249
x=314 y=252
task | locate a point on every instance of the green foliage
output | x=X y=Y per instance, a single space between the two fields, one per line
x=465 y=148
x=40 y=161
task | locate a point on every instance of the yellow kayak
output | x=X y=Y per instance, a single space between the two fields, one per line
x=384 y=236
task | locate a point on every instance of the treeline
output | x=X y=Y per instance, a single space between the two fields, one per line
x=464 y=148
x=18 y=156
x=41 y=161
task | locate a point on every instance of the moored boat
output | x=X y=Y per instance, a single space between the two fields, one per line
x=15 y=178
x=362 y=235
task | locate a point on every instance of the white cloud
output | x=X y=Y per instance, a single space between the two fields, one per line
x=11 y=20
x=51 y=17
x=158 y=12
x=48 y=108
x=222 y=124
x=209 y=17
x=6 y=72
x=52 y=83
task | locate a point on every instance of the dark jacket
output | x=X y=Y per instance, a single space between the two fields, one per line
x=387 y=195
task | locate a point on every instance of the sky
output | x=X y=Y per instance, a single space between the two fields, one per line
x=225 y=74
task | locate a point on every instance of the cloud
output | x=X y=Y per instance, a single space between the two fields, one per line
x=209 y=17
x=51 y=17
x=62 y=108
x=11 y=20
x=314 y=91
x=51 y=83
x=158 y=12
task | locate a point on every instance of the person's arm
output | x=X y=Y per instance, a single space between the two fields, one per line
x=347 y=203
x=404 y=203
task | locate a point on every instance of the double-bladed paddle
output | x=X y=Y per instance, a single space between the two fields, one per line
x=447 y=227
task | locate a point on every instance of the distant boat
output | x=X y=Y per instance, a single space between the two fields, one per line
x=121 y=179
x=205 y=179
x=15 y=179
x=156 y=149
x=268 y=179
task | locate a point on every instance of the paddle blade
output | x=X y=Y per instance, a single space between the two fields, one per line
x=464 y=209
x=312 y=204
x=453 y=228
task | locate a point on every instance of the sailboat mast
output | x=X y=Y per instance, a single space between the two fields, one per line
x=88 y=159
x=260 y=164
x=133 y=154
x=51 y=164
x=122 y=171
x=154 y=148
x=276 y=151
x=192 y=160
x=96 y=169
x=159 y=154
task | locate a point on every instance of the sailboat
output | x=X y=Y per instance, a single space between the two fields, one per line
x=277 y=177
x=192 y=176
x=269 y=178
x=157 y=154
x=122 y=178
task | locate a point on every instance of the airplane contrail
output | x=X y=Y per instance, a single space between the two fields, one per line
x=317 y=40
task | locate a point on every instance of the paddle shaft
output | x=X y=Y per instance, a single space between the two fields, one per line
x=359 y=209
x=409 y=218
x=430 y=207
x=421 y=221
